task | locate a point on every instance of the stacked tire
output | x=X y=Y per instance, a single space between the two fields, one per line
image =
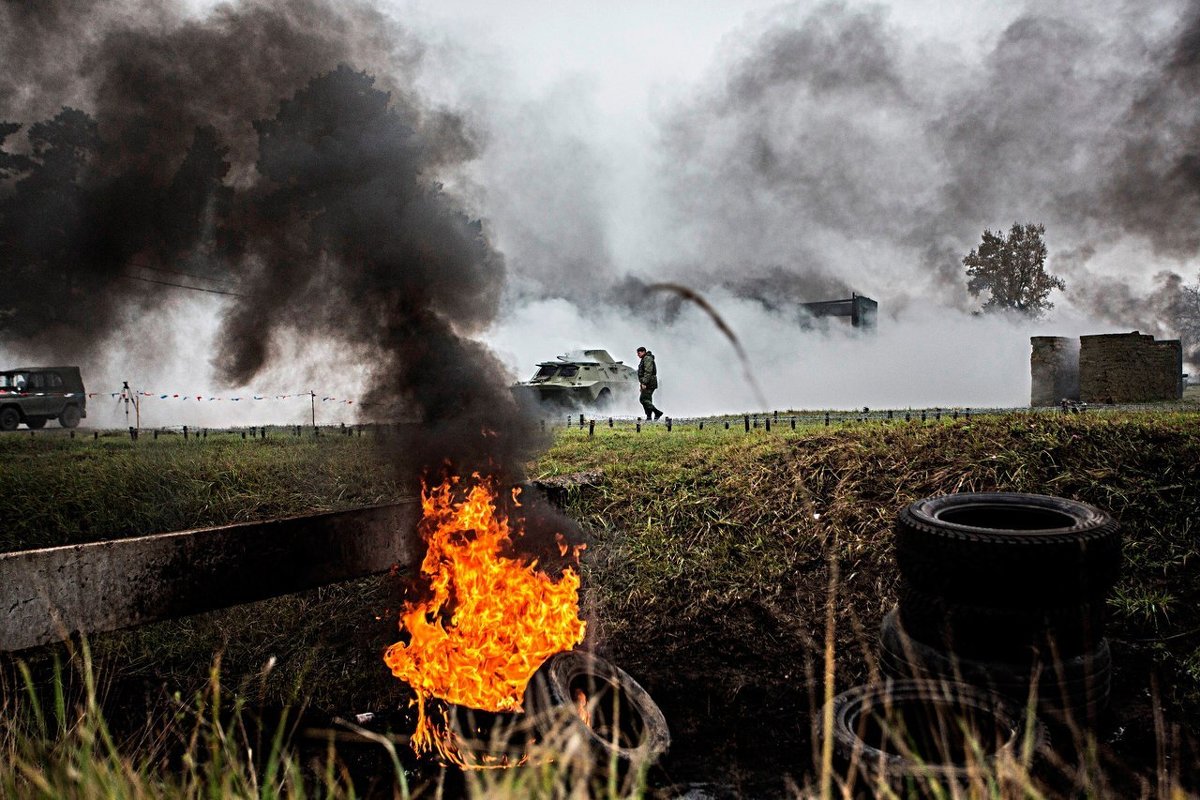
x=1006 y=591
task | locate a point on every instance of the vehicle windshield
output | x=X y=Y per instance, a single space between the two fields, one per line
x=545 y=372
x=568 y=370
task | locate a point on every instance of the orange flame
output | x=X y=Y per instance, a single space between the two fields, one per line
x=492 y=619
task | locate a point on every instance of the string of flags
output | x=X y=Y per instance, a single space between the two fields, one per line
x=204 y=398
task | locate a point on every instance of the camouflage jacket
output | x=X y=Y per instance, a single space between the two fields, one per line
x=647 y=374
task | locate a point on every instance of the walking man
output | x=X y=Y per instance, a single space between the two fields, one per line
x=648 y=378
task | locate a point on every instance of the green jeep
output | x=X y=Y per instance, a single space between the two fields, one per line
x=34 y=395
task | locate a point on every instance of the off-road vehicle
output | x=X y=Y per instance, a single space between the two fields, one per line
x=35 y=395
x=591 y=379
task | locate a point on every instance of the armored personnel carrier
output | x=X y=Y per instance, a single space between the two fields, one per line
x=590 y=379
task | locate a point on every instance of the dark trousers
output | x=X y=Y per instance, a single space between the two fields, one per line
x=647 y=400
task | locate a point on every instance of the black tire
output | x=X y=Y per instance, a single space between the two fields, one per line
x=915 y=734
x=971 y=549
x=36 y=423
x=1078 y=685
x=640 y=734
x=604 y=400
x=70 y=416
x=10 y=418
x=981 y=631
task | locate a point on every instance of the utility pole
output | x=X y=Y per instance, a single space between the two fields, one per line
x=125 y=396
x=313 y=400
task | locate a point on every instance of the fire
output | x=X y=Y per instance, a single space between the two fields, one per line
x=491 y=619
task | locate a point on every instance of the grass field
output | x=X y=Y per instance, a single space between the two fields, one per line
x=708 y=572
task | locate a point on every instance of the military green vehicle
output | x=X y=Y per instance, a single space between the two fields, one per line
x=590 y=379
x=35 y=395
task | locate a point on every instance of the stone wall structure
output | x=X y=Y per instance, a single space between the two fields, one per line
x=1106 y=368
x=1054 y=367
x=1129 y=368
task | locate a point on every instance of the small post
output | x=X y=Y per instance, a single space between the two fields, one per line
x=889 y=415
x=937 y=415
x=185 y=433
x=263 y=431
x=701 y=424
x=726 y=424
x=610 y=422
x=776 y=416
x=312 y=399
x=968 y=413
x=156 y=434
x=243 y=436
x=206 y=434
x=793 y=423
x=568 y=420
x=922 y=415
x=954 y=415
x=746 y=420
x=360 y=431
x=768 y=421
x=95 y=435
x=826 y=419
x=581 y=420
x=908 y=416
x=132 y=434
x=591 y=428
x=639 y=426
x=668 y=424
x=72 y=434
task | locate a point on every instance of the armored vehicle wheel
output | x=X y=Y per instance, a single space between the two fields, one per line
x=69 y=417
x=37 y=423
x=604 y=400
x=10 y=418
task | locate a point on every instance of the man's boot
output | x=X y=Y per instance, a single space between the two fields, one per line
x=657 y=413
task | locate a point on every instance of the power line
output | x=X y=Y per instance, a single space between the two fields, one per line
x=196 y=275
x=182 y=286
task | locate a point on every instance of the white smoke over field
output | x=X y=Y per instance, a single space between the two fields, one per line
x=796 y=152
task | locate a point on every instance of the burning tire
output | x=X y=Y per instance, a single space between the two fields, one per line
x=967 y=547
x=577 y=693
x=1078 y=686
x=916 y=735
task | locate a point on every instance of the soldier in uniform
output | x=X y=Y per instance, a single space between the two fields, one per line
x=648 y=378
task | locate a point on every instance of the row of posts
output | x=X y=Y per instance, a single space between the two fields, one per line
x=752 y=423
x=250 y=433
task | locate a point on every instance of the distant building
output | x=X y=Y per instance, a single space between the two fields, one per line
x=1106 y=368
x=860 y=309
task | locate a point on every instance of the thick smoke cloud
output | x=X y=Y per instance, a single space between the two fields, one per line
x=241 y=151
x=834 y=148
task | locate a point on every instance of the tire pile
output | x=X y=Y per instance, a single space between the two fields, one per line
x=1001 y=608
x=1006 y=591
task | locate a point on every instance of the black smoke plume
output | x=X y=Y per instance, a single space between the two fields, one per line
x=241 y=149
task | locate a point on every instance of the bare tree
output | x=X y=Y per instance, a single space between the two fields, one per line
x=1012 y=270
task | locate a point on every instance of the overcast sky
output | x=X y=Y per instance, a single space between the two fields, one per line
x=767 y=153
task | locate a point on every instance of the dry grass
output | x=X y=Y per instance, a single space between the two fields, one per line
x=709 y=571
